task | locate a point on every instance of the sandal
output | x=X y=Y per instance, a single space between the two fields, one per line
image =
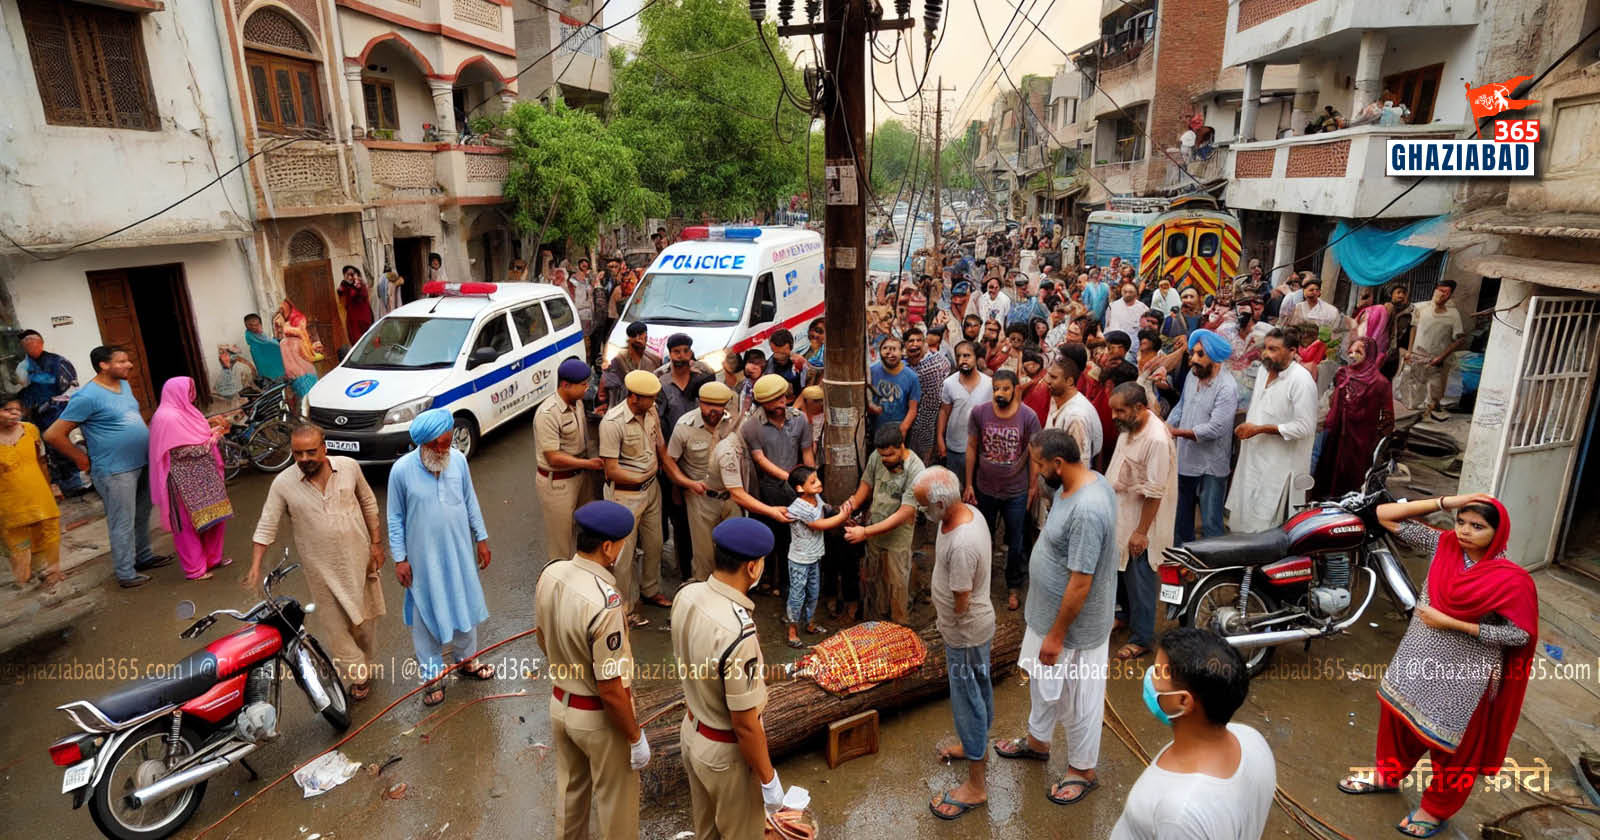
x=658 y=600
x=434 y=696
x=1428 y=828
x=1132 y=651
x=961 y=807
x=1018 y=748
x=359 y=691
x=796 y=644
x=816 y=629
x=1359 y=786
x=1084 y=787
x=636 y=620
x=476 y=671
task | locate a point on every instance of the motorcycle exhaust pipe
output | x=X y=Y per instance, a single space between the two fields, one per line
x=168 y=785
x=1277 y=637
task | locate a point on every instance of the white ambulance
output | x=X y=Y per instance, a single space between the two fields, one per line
x=729 y=289
x=487 y=352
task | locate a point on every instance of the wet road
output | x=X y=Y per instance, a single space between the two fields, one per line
x=485 y=771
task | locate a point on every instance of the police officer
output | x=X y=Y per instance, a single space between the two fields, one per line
x=694 y=439
x=562 y=435
x=634 y=451
x=599 y=744
x=724 y=746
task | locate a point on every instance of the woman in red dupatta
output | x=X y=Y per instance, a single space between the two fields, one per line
x=1455 y=687
x=1360 y=412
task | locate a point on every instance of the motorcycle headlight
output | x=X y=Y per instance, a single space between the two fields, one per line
x=715 y=358
x=406 y=412
x=612 y=350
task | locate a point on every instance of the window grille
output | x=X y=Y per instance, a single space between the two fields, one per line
x=306 y=246
x=90 y=65
x=1561 y=342
x=272 y=28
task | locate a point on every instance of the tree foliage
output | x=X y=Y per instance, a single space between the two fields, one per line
x=892 y=151
x=699 y=102
x=566 y=167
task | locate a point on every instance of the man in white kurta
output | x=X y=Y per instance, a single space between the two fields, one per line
x=1274 y=466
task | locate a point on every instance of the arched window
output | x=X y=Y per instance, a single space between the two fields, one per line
x=283 y=74
x=306 y=246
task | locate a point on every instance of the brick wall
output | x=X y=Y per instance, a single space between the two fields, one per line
x=1190 y=38
x=1323 y=160
x=1252 y=12
x=1254 y=163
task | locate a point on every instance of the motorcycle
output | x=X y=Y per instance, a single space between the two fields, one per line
x=1293 y=583
x=147 y=749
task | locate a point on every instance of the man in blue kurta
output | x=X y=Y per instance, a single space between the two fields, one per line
x=434 y=522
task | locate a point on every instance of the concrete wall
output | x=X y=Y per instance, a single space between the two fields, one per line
x=219 y=290
x=64 y=184
x=444 y=55
x=1274 y=38
x=413 y=99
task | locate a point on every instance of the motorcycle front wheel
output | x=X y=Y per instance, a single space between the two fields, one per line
x=338 y=712
x=1221 y=592
x=140 y=761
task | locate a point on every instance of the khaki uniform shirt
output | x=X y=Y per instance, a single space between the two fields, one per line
x=559 y=426
x=731 y=466
x=581 y=626
x=631 y=440
x=693 y=442
x=719 y=657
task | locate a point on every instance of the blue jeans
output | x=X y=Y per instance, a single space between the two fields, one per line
x=805 y=585
x=956 y=462
x=126 y=496
x=1014 y=510
x=1210 y=491
x=1139 y=591
x=430 y=651
x=971 y=697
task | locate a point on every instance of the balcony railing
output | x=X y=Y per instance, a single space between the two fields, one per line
x=1183 y=174
x=1339 y=174
x=308 y=174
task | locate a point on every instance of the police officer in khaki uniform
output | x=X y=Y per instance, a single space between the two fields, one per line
x=634 y=451
x=694 y=439
x=724 y=747
x=562 y=434
x=600 y=747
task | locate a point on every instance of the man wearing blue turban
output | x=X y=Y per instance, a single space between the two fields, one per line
x=1202 y=421
x=436 y=535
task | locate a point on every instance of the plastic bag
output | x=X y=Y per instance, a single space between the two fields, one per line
x=325 y=773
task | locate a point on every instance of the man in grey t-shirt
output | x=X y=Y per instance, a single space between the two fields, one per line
x=1071 y=598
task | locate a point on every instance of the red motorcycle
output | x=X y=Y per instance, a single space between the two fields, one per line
x=147 y=749
x=1293 y=583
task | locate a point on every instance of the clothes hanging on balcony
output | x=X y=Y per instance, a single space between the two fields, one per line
x=1371 y=256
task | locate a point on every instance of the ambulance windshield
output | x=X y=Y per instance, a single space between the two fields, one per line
x=702 y=299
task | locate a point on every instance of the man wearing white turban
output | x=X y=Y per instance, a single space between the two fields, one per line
x=434 y=522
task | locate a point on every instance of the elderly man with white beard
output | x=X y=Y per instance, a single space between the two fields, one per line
x=436 y=536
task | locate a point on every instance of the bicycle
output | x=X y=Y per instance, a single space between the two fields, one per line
x=258 y=435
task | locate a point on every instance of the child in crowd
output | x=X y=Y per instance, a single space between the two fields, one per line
x=809 y=518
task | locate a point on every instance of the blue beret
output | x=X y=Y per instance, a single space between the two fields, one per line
x=743 y=537
x=608 y=519
x=573 y=370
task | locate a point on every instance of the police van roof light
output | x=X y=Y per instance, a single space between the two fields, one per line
x=718 y=232
x=433 y=288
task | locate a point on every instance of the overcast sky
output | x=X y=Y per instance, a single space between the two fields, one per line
x=1070 y=23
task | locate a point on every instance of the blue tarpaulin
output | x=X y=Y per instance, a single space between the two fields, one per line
x=1372 y=257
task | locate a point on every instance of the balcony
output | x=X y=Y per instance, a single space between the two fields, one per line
x=307 y=175
x=1338 y=174
x=473 y=172
x=1277 y=31
x=410 y=171
x=1183 y=176
x=1129 y=178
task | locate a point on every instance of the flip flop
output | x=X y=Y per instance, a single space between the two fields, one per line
x=796 y=644
x=433 y=696
x=1124 y=652
x=1087 y=785
x=359 y=691
x=637 y=620
x=1352 y=786
x=658 y=600
x=477 y=671
x=1428 y=828
x=961 y=807
x=1018 y=748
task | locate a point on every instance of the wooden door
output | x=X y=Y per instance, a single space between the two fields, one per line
x=310 y=288
x=119 y=325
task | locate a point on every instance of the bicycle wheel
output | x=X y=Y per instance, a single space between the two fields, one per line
x=269 y=446
x=233 y=458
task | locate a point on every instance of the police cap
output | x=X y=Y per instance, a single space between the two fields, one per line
x=608 y=519
x=743 y=537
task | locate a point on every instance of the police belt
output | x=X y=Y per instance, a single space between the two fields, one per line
x=586 y=702
x=558 y=475
x=725 y=736
x=631 y=487
x=719 y=495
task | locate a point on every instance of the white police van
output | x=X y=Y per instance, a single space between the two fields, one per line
x=729 y=289
x=487 y=352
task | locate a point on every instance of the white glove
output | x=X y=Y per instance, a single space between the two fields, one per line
x=772 y=792
x=639 y=752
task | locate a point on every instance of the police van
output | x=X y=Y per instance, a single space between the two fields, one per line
x=728 y=288
x=487 y=352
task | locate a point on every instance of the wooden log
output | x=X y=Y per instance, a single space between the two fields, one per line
x=798 y=711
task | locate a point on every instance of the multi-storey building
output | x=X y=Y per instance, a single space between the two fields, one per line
x=564 y=52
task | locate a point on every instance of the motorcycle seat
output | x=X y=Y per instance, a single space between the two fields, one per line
x=185 y=680
x=1256 y=549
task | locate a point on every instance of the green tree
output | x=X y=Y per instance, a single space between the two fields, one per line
x=565 y=167
x=892 y=148
x=701 y=103
x=955 y=161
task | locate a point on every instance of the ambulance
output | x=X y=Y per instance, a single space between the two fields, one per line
x=728 y=288
x=487 y=352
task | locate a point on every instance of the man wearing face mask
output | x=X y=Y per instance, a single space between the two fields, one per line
x=731 y=778
x=581 y=627
x=1272 y=474
x=1216 y=778
x=338 y=538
